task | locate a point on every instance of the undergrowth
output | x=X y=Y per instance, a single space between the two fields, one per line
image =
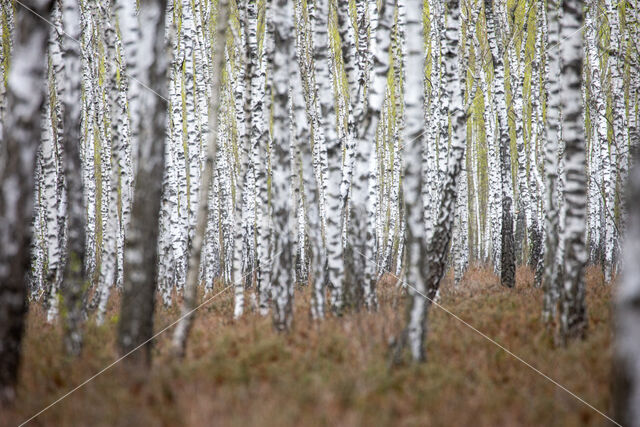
x=334 y=372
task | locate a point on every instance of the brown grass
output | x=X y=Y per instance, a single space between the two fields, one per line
x=334 y=372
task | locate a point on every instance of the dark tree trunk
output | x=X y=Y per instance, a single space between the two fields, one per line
x=141 y=246
x=507 y=258
x=535 y=236
x=520 y=233
x=73 y=288
x=626 y=361
x=19 y=144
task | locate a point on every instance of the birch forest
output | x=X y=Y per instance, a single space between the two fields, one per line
x=320 y=212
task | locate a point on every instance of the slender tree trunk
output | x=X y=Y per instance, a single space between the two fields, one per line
x=355 y=100
x=91 y=129
x=551 y=137
x=424 y=277
x=507 y=256
x=246 y=237
x=117 y=197
x=415 y=332
x=432 y=85
x=25 y=97
x=626 y=361
x=573 y=314
x=493 y=161
x=544 y=89
x=261 y=152
x=535 y=178
x=598 y=131
x=74 y=287
x=305 y=51
x=141 y=247
x=365 y=186
x=332 y=156
x=517 y=73
x=54 y=201
x=130 y=31
x=283 y=210
x=304 y=190
x=181 y=332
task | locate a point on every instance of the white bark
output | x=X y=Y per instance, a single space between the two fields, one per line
x=425 y=276
x=507 y=255
x=305 y=49
x=551 y=137
x=181 y=332
x=282 y=287
x=573 y=317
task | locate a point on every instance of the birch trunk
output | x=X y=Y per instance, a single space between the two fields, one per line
x=181 y=332
x=507 y=256
x=282 y=287
x=54 y=202
x=618 y=145
x=598 y=131
x=364 y=192
x=430 y=177
x=535 y=178
x=551 y=137
x=573 y=314
x=305 y=49
x=424 y=277
x=261 y=152
x=131 y=35
x=493 y=162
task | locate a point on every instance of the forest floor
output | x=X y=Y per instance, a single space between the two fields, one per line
x=335 y=372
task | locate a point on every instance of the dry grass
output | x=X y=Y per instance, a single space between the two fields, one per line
x=335 y=372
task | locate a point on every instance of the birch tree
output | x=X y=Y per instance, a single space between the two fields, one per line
x=363 y=196
x=507 y=256
x=551 y=137
x=536 y=184
x=515 y=52
x=50 y=199
x=116 y=163
x=282 y=288
x=181 y=332
x=261 y=159
x=493 y=155
x=330 y=152
x=25 y=96
x=304 y=53
x=423 y=278
x=573 y=316
x=131 y=35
